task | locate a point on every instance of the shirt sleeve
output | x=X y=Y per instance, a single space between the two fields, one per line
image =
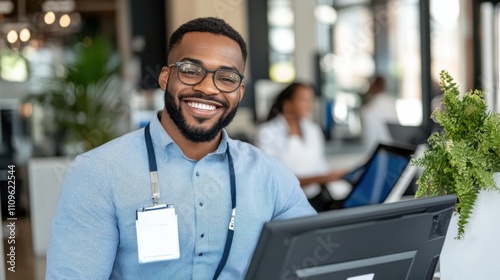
x=291 y=201
x=84 y=233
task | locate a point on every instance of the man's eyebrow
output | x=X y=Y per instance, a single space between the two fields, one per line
x=233 y=69
x=194 y=60
x=197 y=61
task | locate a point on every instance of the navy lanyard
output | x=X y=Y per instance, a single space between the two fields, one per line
x=155 y=190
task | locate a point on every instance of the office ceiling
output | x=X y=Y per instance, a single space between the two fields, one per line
x=29 y=7
x=18 y=14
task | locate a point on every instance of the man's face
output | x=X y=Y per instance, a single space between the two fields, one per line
x=201 y=111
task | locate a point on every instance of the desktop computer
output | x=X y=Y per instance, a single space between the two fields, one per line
x=393 y=241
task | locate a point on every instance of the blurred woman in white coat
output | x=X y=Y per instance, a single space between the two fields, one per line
x=293 y=137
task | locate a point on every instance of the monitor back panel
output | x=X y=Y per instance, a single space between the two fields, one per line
x=401 y=240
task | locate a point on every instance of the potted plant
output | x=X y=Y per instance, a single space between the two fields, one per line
x=84 y=103
x=464 y=158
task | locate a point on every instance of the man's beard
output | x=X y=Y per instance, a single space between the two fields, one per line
x=192 y=133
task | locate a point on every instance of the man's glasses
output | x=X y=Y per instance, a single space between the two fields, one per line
x=192 y=74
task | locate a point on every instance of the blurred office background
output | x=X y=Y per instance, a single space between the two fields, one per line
x=77 y=73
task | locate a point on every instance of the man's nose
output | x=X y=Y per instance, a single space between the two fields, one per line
x=207 y=85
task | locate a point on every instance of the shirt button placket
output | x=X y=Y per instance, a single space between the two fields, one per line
x=201 y=204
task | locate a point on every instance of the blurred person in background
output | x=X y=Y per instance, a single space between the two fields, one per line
x=379 y=109
x=290 y=135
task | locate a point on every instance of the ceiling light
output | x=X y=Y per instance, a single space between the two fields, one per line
x=64 y=21
x=12 y=36
x=49 y=18
x=24 y=35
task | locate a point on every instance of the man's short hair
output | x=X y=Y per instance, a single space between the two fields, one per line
x=208 y=24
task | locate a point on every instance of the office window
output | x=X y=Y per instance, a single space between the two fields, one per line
x=446 y=44
x=281 y=40
x=370 y=38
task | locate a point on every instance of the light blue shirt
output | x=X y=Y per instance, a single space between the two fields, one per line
x=93 y=233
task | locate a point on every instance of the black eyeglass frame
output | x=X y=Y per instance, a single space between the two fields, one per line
x=214 y=72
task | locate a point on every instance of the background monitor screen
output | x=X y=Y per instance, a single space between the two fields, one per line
x=400 y=240
x=372 y=182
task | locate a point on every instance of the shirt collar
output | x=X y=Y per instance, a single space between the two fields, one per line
x=162 y=140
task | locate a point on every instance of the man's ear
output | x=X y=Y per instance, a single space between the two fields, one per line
x=242 y=92
x=163 y=78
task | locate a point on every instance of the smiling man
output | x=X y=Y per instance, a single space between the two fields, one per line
x=177 y=199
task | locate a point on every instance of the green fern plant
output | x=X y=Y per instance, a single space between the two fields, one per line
x=463 y=156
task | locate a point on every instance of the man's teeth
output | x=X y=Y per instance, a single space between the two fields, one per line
x=201 y=106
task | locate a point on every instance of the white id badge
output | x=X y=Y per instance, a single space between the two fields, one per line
x=157 y=234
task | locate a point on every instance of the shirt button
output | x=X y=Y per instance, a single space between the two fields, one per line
x=202 y=235
x=201 y=203
x=197 y=174
x=200 y=254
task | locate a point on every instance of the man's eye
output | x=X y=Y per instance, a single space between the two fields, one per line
x=190 y=70
x=228 y=78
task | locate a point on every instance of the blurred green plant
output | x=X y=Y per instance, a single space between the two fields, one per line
x=85 y=102
x=462 y=158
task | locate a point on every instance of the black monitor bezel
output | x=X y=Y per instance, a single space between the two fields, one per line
x=274 y=231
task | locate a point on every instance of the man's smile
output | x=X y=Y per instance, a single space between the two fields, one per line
x=202 y=106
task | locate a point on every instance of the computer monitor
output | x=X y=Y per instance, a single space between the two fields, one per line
x=400 y=240
x=406 y=134
x=375 y=180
